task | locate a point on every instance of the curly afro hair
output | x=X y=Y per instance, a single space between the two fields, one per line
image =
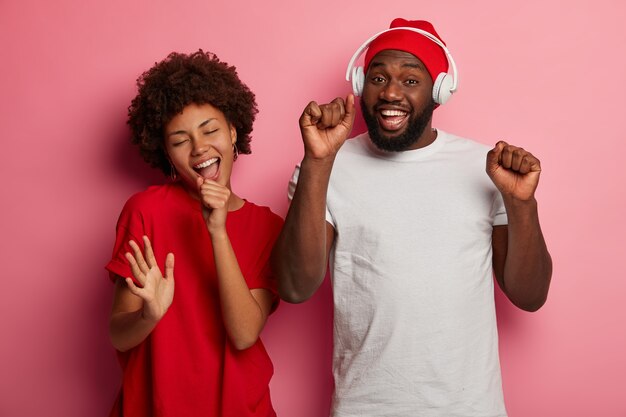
x=174 y=83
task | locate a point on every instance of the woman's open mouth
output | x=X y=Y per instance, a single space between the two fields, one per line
x=208 y=169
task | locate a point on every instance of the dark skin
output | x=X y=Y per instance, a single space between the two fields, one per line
x=397 y=87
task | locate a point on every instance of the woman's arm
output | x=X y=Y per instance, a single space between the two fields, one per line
x=244 y=311
x=137 y=310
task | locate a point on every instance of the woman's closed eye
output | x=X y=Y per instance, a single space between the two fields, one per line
x=178 y=142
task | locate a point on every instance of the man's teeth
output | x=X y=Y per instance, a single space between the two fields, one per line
x=391 y=113
x=206 y=163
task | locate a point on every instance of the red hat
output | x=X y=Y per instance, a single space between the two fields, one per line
x=431 y=54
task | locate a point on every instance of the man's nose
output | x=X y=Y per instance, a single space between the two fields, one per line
x=391 y=92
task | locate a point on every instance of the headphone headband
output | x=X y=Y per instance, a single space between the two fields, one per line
x=428 y=35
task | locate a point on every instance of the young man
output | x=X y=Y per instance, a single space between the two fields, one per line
x=413 y=227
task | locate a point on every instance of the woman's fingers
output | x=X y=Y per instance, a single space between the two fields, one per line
x=169 y=266
x=150 y=259
x=138 y=257
x=136 y=269
x=132 y=287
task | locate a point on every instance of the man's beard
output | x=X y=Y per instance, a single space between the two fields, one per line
x=404 y=140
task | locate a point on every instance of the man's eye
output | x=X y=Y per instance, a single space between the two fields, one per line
x=411 y=82
x=378 y=79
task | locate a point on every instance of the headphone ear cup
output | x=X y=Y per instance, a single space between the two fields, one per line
x=442 y=88
x=358 y=79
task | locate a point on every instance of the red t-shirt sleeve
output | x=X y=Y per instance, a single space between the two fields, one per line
x=129 y=227
x=259 y=274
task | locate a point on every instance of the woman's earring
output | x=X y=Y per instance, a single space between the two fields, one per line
x=172 y=172
x=235 y=151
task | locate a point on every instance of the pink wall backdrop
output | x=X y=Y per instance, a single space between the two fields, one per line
x=546 y=75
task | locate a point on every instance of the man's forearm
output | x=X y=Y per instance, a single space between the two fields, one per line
x=528 y=266
x=300 y=254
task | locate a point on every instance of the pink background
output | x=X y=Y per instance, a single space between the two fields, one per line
x=546 y=75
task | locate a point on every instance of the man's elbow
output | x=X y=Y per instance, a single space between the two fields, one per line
x=293 y=296
x=531 y=305
x=298 y=286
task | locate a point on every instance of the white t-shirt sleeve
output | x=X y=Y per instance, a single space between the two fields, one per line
x=291 y=189
x=499 y=212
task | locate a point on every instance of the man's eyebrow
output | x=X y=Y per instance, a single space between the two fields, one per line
x=414 y=65
x=418 y=65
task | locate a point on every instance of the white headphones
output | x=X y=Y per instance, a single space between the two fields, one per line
x=443 y=87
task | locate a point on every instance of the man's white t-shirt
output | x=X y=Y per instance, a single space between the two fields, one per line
x=414 y=316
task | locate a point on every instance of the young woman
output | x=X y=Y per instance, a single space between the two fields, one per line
x=189 y=345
